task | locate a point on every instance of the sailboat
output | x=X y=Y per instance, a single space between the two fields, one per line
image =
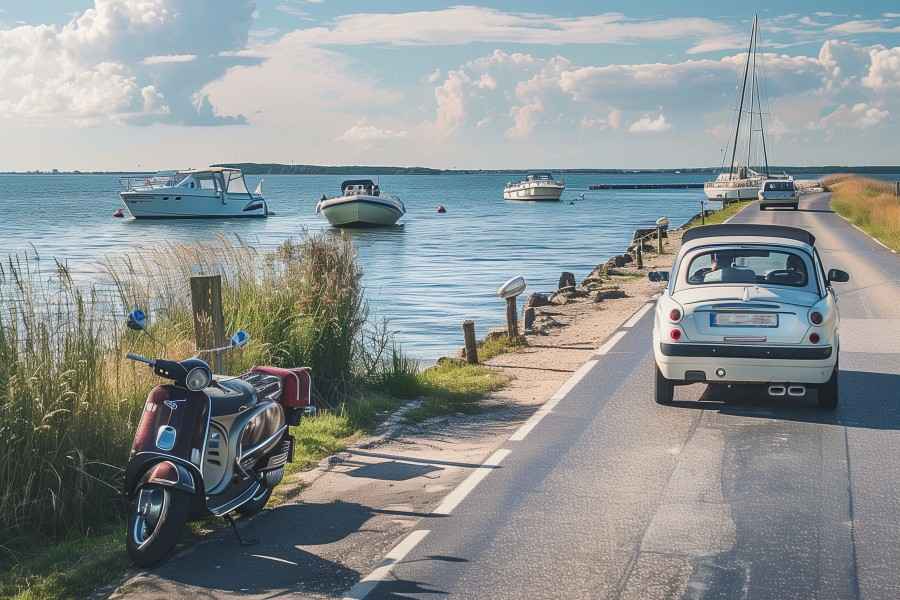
x=741 y=182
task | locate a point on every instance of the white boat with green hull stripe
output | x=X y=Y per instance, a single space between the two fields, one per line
x=361 y=204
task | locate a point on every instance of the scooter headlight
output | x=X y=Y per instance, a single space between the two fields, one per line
x=197 y=379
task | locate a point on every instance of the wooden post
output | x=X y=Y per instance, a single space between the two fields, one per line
x=639 y=253
x=209 y=322
x=471 y=346
x=659 y=239
x=512 y=319
x=702 y=214
x=898 y=189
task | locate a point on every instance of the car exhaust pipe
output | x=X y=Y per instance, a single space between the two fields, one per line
x=777 y=390
x=796 y=390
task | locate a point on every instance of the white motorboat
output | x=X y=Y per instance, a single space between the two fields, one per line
x=361 y=204
x=740 y=182
x=215 y=192
x=537 y=186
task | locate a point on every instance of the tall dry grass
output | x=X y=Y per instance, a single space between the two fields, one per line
x=871 y=204
x=69 y=401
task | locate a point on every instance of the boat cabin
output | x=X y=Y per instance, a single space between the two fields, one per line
x=360 y=187
x=539 y=177
x=217 y=179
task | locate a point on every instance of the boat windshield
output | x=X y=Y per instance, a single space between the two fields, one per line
x=234 y=182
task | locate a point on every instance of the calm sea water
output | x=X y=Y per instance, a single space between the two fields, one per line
x=425 y=276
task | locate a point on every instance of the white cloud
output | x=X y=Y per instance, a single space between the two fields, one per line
x=434 y=76
x=612 y=121
x=864 y=26
x=169 y=58
x=647 y=124
x=884 y=72
x=99 y=66
x=365 y=133
x=858 y=116
x=468 y=24
x=525 y=118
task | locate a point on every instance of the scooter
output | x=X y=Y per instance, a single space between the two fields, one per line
x=207 y=445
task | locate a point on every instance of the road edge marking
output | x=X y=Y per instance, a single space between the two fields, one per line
x=380 y=573
x=610 y=343
x=454 y=498
x=632 y=321
x=866 y=233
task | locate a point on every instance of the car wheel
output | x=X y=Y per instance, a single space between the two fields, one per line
x=828 y=392
x=664 y=388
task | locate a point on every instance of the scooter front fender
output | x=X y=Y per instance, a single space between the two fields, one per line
x=169 y=474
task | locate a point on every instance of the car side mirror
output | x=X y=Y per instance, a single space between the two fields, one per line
x=137 y=320
x=838 y=276
x=658 y=276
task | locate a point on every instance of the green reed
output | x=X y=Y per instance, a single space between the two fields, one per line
x=70 y=401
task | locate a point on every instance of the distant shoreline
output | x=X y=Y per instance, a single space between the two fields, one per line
x=285 y=169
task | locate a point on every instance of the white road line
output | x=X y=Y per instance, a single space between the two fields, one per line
x=383 y=570
x=637 y=316
x=873 y=238
x=531 y=423
x=612 y=341
x=453 y=499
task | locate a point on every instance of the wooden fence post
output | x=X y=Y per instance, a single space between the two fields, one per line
x=639 y=253
x=209 y=322
x=471 y=346
x=512 y=319
x=659 y=245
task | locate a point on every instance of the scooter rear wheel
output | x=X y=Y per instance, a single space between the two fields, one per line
x=155 y=522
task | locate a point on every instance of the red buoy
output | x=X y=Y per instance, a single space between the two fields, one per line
x=441 y=209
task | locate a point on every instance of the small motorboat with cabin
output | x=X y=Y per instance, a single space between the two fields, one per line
x=361 y=204
x=537 y=186
x=214 y=192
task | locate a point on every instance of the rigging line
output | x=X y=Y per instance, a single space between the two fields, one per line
x=743 y=92
x=752 y=101
x=762 y=133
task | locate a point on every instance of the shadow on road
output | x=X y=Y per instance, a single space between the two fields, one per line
x=278 y=565
x=815 y=210
x=867 y=400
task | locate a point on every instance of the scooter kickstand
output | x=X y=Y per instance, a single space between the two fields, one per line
x=237 y=534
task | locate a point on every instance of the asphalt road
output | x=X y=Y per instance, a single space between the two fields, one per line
x=728 y=495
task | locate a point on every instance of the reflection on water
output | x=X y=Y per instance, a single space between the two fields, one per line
x=426 y=276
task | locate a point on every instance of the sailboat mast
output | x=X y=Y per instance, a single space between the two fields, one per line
x=762 y=128
x=752 y=102
x=737 y=130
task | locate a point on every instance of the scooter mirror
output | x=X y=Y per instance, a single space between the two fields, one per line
x=137 y=320
x=240 y=339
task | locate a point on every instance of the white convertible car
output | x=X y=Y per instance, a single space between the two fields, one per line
x=748 y=304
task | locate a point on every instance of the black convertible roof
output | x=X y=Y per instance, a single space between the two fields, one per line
x=791 y=233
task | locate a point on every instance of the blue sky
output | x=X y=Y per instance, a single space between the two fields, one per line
x=124 y=84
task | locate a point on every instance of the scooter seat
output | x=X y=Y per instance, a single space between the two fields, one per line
x=231 y=396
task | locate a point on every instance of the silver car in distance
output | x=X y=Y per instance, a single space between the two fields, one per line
x=748 y=304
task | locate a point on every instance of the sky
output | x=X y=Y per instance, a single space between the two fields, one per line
x=165 y=84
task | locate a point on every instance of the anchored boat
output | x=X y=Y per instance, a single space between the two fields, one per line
x=537 y=186
x=216 y=192
x=741 y=182
x=361 y=204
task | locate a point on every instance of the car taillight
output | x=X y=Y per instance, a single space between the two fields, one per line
x=675 y=334
x=815 y=318
x=674 y=315
x=814 y=338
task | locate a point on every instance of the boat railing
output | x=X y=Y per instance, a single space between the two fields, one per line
x=147 y=181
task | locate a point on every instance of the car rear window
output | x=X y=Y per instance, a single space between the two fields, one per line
x=780 y=186
x=748 y=265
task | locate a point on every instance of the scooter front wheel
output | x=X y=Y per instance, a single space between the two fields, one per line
x=155 y=522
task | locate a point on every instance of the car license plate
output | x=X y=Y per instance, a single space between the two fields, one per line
x=743 y=319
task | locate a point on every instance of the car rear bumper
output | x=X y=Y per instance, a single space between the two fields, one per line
x=745 y=364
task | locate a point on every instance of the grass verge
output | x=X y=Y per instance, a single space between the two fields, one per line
x=870 y=204
x=721 y=215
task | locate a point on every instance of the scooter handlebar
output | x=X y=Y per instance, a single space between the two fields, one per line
x=138 y=358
